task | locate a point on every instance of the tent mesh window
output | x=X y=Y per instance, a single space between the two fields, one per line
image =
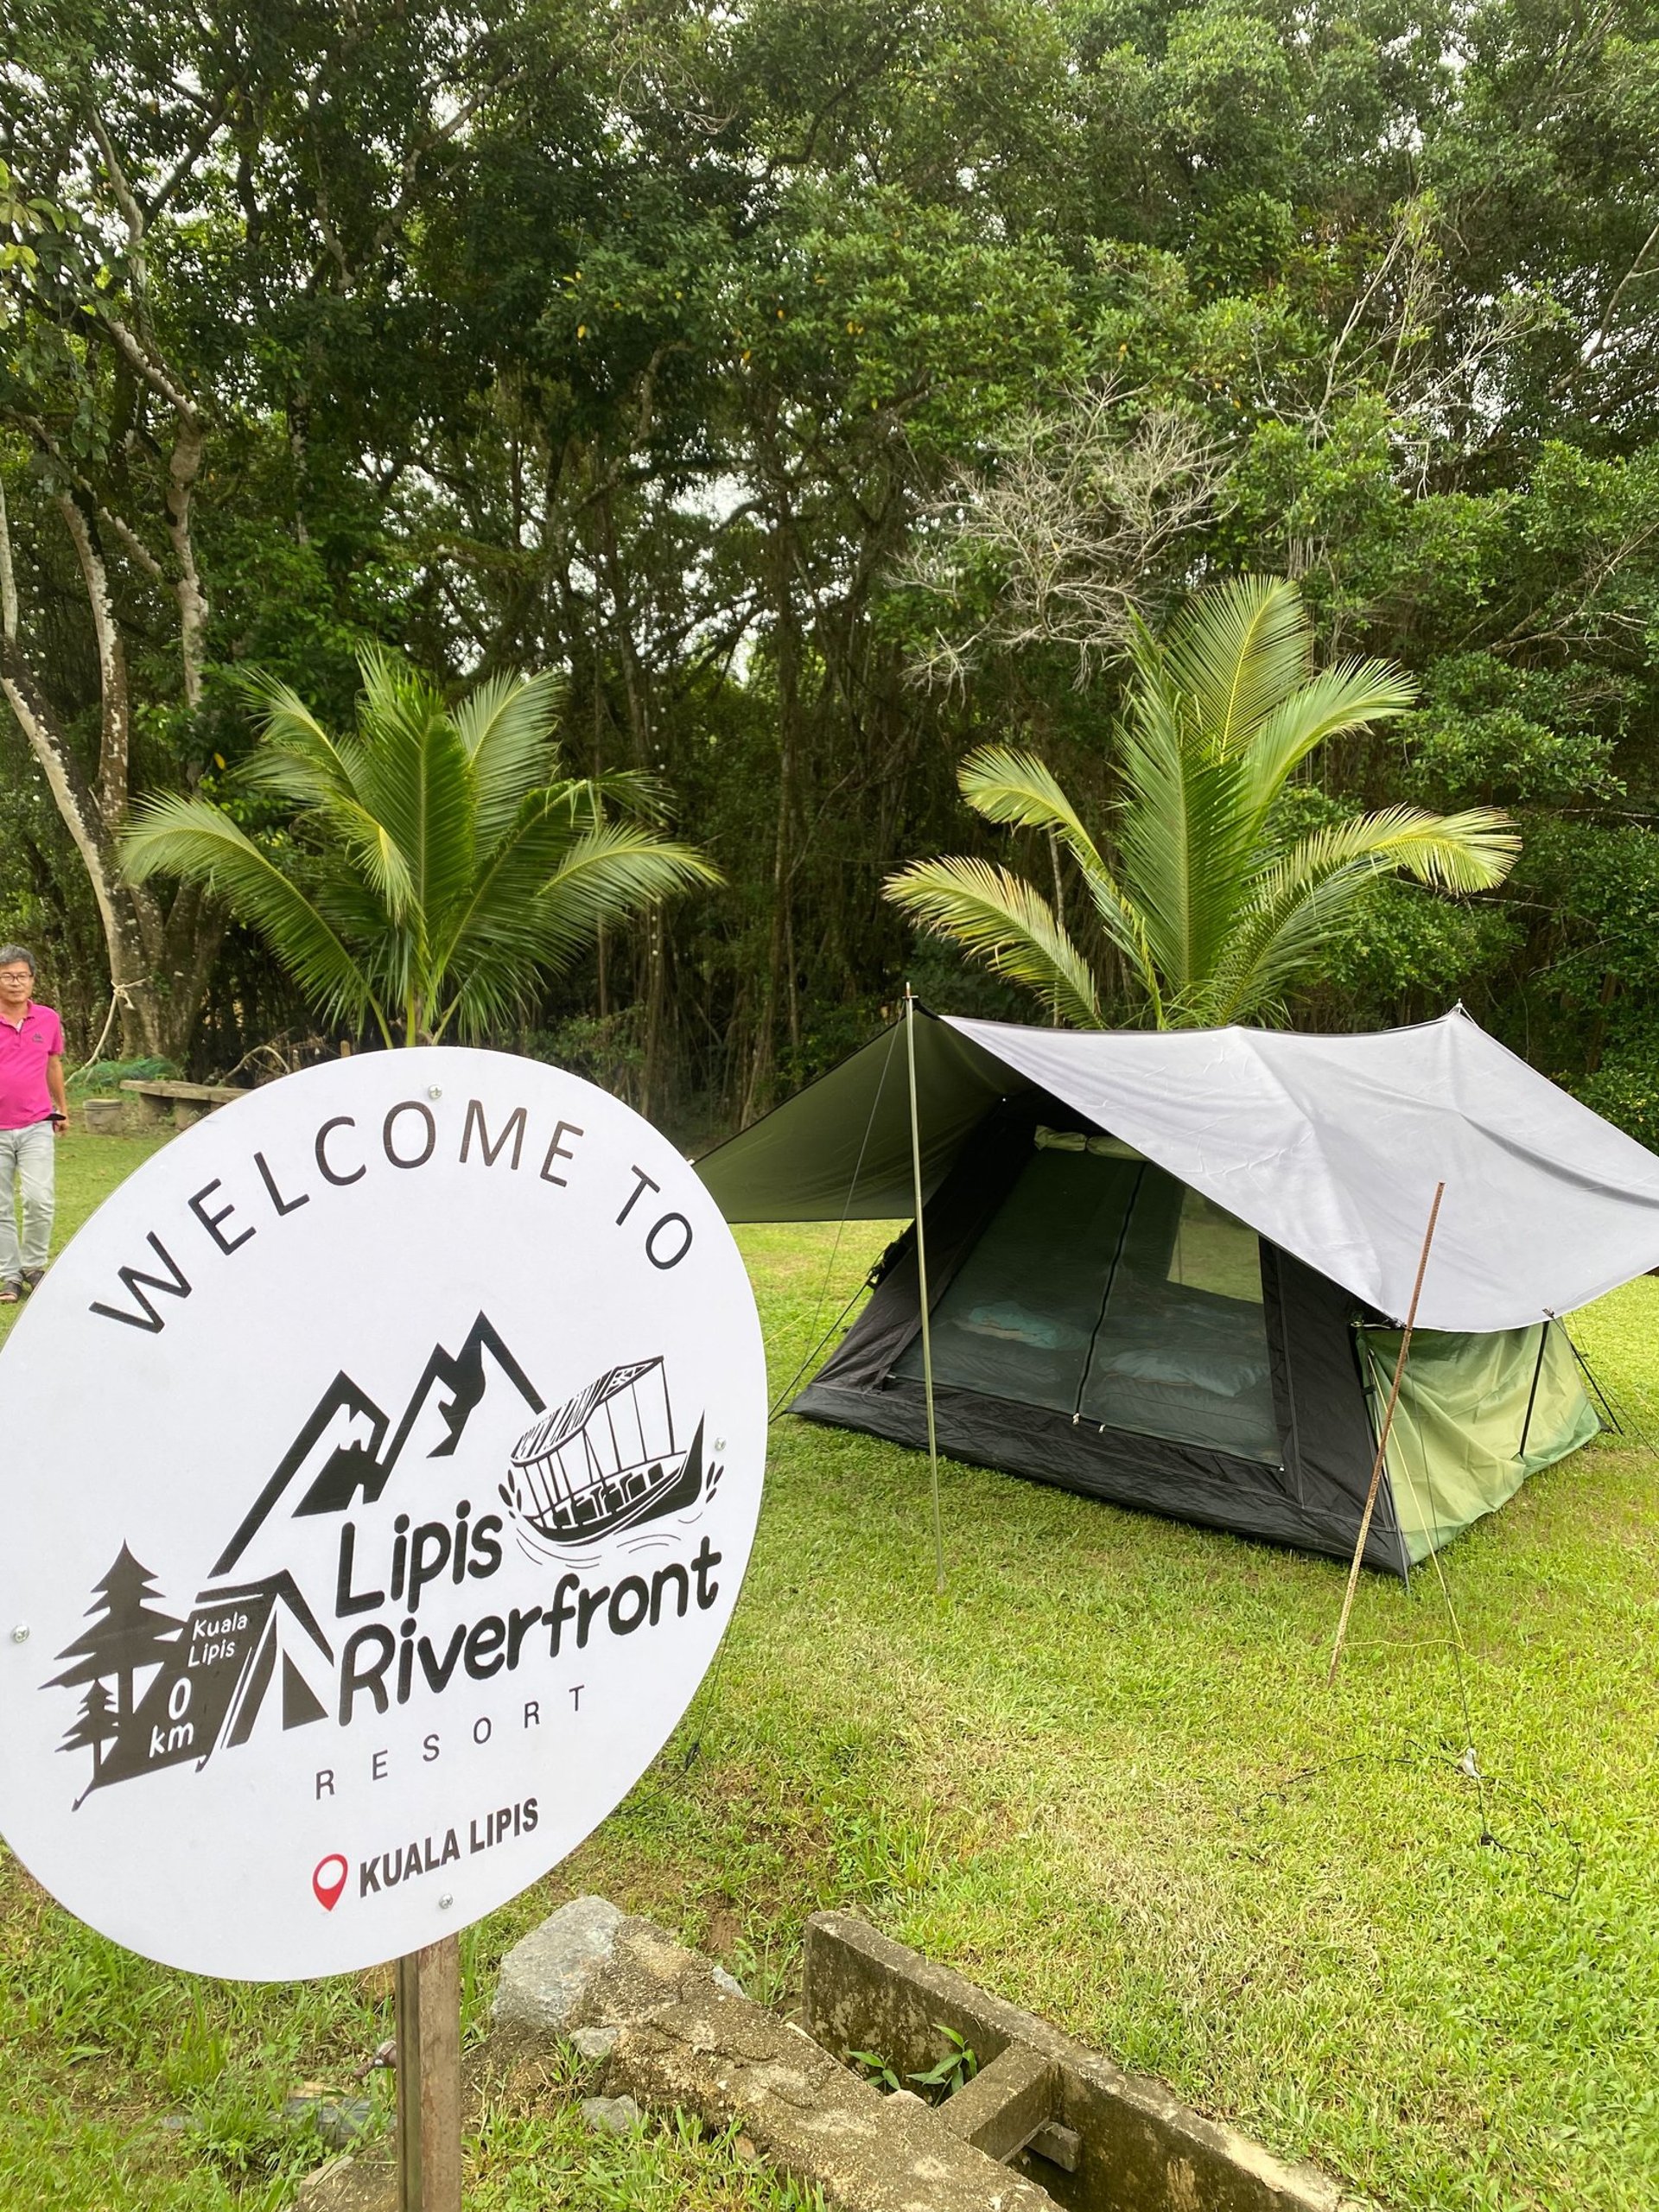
x=1105 y=1289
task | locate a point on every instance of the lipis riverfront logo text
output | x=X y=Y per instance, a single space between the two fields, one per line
x=159 y=1688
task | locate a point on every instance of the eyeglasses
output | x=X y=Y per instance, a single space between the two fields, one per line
x=16 y=975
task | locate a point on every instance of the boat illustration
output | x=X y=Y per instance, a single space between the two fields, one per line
x=607 y=1460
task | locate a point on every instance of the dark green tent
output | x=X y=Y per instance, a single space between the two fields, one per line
x=1170 y=1270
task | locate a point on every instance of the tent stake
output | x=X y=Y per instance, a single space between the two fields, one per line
x=1382 y=1436
x=921 y=1285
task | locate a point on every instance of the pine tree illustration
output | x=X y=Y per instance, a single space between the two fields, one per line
x=93 y=1728
x=127 y=1635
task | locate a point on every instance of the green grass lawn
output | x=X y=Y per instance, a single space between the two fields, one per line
x=1104 y=1777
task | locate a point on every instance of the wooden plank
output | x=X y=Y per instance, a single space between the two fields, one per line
x=428 y=2079
x=214 y=1094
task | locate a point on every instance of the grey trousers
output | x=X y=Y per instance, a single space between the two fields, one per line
x=26 y=1158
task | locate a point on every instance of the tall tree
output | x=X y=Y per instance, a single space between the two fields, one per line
x=208 y=378
x=93 y=1727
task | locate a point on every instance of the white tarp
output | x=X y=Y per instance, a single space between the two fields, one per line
x=1331 y=1147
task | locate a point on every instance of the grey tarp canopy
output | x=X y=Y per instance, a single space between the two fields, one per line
x=1331 y=1147
x=1105 y=1317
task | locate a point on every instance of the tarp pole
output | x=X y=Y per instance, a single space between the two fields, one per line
x=1382 y=1435
x=921 y=1285
x=1532 y=1395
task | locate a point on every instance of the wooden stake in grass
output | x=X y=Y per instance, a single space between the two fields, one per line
x=1382 y=1434
x=428 y=2079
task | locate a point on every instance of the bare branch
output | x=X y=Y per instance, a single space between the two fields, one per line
x=8 y=577
x=192 y=153
x=116 y=742
x=183 y=468
x=145 y=366
x=1070 y=524
x=418 y=152
x=128 y=537
x=131 y=213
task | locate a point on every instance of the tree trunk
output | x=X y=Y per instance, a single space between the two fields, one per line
x=159 y=962
x=635 y=682
x=780 y=949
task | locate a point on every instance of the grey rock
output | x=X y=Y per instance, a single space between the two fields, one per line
x=728 y=1982
x=545 y=1976
x=594 y=2043
x=590 y=1966
x=348 y=2185
x=611 y=2115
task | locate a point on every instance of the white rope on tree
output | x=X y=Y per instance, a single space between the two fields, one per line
x=120 y=995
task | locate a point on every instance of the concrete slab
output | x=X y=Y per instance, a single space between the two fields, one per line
x=727 y=2059
x=1139 y=2149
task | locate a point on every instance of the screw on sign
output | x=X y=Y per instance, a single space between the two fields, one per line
x=407 y=1514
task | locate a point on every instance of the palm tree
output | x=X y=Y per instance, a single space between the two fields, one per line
x=1215 y=902
x=436 y=861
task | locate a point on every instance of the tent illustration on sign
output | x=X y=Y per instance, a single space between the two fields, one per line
x=605 y=1460
x=214 y=1678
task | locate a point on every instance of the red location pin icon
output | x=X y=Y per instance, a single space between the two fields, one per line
x=329 y=1880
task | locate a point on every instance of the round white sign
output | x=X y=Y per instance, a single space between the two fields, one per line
x=381 y=1463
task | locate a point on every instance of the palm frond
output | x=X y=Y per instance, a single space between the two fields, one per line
x=297 y=758
x=635 y=791
x=1017 y=790
x=516 y=926
x=1236 y=651
x=1020 y=791
x=1347 y=696
x=1473 y=850
x=609 y=873
x=505 y=726
x=197 y=842
x=999 y=919
x=417 y=784
x=1184 y=855
x=1304 y=894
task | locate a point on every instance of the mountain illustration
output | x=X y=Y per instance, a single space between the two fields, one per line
x=250 y=1657
x=342 y=1446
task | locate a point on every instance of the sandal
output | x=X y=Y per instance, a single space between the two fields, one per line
x=32 y=1278
x=10 y=1295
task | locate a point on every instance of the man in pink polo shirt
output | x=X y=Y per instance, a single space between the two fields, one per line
x=33 y=1111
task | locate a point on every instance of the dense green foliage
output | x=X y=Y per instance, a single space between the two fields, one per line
x=730 y=360
x=439 y=867
x=1215 y=903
